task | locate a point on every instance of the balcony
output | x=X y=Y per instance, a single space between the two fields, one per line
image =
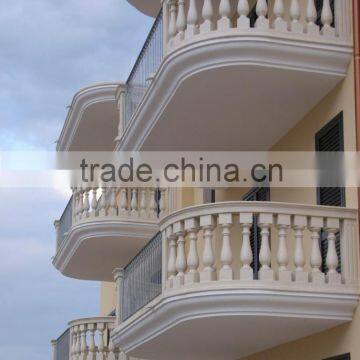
x=86 y=339
x=245 y=62
x=218 y=282
x=104 y=228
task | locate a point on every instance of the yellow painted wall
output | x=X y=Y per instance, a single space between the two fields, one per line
x=107 y=298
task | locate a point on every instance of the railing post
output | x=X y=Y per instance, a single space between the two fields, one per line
x=53 y=349
x=342 y=16
x=349 y=252
x=119 y=279
x=58 y=235
x=120 y=98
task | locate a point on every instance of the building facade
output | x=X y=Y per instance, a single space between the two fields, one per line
x=232 y=273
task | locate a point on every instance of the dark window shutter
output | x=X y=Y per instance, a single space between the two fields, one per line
x=330 y=138
x=256 y=194
x=319 y=6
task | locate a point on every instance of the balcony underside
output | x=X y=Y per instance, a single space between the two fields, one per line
x=240 y=320
x=93 y=249
x=208 y=91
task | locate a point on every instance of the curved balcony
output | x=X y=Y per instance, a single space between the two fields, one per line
x=300 y=276
x=86 y=339
x=244 y=62
x=102 y=229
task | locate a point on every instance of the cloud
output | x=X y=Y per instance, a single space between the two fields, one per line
x=49 y=49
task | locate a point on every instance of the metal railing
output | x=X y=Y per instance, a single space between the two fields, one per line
x=146 y=66
x=142 y=278
x=65 y=222
x=62 y=347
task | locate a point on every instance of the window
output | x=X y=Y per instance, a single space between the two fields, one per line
x=331 y=139
x=340 y=357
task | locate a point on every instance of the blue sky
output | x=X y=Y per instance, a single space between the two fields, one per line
x=48 y=50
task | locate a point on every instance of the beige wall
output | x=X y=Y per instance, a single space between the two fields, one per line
x=107 y=298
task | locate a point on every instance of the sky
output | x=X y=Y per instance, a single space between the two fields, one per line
x=49 y=49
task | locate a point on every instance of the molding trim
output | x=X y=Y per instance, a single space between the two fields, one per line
x=168 y=311
x=83 y=99
x=232 y=49
x=258 y=207
x=100 y=229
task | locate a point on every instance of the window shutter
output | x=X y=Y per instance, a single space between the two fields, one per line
x=330 y=138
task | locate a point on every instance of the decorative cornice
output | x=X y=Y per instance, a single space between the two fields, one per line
x=98 y=93
x=238 y=300
x=101 y=228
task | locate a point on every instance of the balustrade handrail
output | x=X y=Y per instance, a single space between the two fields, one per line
x=329 y=233
x=258 y=207
x=90 y=338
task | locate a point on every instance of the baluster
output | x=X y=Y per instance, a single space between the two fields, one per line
x=283 y=223
x=113 y=353
x=86 y=203
x=112 y=202
x=181 y=20
x=123 y=202
x=94 y=202
x=192 y=20
x=181 y=257
x=92 y=347
x=152 y=205
x=332 y=261
x=295 y=13
x=246 y=255
x=162 y=203
x=279 y=23
x=261 y=11
x=265 y=273
x=73 y=343
x=192 y=227
x=81 y=203
x=316 y=276
x=208 y=15
x=102 y=206
x=134 y=202
x=172 y=19
x=224 y=22
x=311 y=15
x=101 y=347
x=226 y=257
x=83 y=347
x=172 y=256
x=78 y=343
x=243 y=11
x=207 y=223
x=300 y=223
x=143 y=204
x=327 y=19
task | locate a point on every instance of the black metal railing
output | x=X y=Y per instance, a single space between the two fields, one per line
x=142 y=278
x=62 y=347
x=65 y=222
x=146 y=66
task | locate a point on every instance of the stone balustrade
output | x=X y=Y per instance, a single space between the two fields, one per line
x=90 y=339
x=189 y=19
x=134 y=203
x=290 y=252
